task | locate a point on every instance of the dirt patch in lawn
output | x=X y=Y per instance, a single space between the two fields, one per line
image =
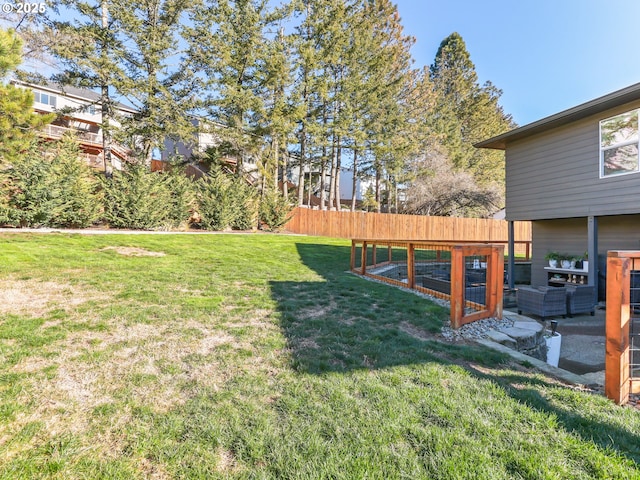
x=134 y=252
x=415 y=332
x=36 y=297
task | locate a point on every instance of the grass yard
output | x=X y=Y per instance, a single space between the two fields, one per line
x=258 y=356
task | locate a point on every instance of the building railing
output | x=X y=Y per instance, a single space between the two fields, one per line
x=85 y=138
x=622 y=358
x=469 y=276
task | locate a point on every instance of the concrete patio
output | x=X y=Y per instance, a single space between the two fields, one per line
x=582 y=351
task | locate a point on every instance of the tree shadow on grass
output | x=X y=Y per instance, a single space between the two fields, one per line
x=563 y=403
x=343 y=322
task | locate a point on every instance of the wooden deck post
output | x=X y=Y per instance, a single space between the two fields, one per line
x=617 y=381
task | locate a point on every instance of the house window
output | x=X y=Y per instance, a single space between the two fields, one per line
x=619 y=145
x=45 y=98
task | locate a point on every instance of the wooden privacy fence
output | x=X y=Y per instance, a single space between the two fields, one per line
x=622 y=359
x=469 y=276
x=387 y=226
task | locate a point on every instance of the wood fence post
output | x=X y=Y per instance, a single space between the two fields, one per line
x=457 y=286
x=352 y=263
x=411 y=266
x=617 y=381
x=364 y=257
x=495 y=282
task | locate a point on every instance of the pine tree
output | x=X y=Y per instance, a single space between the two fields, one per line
x=89 y=50
x=226 y=48
x=131 y=51
x=156 y=79
x=18 y=122
x=467 y=112
x=389 y=89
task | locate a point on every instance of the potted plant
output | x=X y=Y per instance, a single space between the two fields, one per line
x=578 y=264
x=552 y=258
x=565 y=261
x=574 y=259
x=585 y=261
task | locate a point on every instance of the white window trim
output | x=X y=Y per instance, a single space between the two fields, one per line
x=618 y=145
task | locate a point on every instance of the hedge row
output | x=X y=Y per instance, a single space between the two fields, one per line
x=54 y=187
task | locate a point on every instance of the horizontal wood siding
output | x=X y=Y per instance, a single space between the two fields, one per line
x=563 y=236
x=556 y=175
x=620 y=232
x=402 y=227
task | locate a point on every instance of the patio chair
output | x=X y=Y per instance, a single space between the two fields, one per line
x=542 y=301
x=580 y=299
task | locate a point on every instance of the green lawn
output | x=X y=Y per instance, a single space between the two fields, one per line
x=259 y=356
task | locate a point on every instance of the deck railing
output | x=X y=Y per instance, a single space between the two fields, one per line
x=469 y=276
x=622 y=359
x=85 y=138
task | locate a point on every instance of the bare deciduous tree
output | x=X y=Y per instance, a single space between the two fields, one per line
x=437 y=189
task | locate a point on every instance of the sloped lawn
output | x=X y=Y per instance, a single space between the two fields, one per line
x=256 y=356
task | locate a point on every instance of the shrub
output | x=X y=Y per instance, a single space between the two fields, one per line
x=215 y=208
x=181 y=196
x=77 y=201
x=137 y=198
x=245 y=199
x=275 y=211
x=50 y=185
x=226 y=202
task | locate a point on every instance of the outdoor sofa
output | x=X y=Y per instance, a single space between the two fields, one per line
x=580 y=299
x=542 y=301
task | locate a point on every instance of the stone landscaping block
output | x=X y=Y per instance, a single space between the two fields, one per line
x=501 y=338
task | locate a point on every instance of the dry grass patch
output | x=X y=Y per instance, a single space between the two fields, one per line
x=134 y=251
x=317 y=311
x=126 y=363
x=36 y=298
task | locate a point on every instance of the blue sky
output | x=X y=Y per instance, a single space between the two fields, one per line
x=545 y=55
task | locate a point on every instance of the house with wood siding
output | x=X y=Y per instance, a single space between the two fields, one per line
x=576 y=176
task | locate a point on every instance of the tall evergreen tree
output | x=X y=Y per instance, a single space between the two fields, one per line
x=131 y=50
x=88 y=52
x=18 y=122
x=226 y=46
x=156 y=76
x=467 y=112
x=389 y=88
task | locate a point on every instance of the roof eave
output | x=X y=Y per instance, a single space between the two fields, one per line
x=601 y=104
